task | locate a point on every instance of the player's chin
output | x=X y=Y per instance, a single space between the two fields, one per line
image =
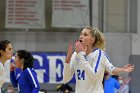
x=9 y=57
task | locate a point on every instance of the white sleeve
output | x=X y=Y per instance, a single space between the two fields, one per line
x=2 y=79
x=68 y=71
x=107 y=64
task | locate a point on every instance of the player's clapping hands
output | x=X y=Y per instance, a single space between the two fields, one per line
x=79 y=47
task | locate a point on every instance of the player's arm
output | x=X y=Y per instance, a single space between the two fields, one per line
x=107 y=64
x=68 y=71
x=31 y=76
x=14 y=75
x=116 y=70
x=13 y=79
x=127 y=68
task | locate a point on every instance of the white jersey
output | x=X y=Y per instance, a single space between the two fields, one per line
x=2 y=75
x=89 y=71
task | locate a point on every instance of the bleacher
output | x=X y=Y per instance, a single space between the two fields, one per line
x=51 y=88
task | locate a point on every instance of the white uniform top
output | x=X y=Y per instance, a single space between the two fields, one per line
x=89 y=71
x=2 y=75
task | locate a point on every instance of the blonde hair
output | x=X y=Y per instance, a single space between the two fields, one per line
x=99 y=38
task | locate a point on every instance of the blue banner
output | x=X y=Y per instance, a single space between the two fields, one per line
x=49 y=67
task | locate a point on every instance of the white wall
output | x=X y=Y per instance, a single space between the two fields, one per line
x=40 y=41
x=119 y=49
x=136 y=44
x=136 y=37
x=138 y=22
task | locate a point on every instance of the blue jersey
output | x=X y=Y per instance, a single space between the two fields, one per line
x=26 y=80
x=110 y=85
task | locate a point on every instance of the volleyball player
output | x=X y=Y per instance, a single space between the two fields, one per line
x=23 y=75
x=6 y=52
x=89 y=62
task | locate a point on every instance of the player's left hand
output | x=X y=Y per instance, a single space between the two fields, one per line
x=128 y=68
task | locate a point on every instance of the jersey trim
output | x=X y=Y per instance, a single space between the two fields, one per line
x=106 y=56
x=97 y=63
x=32 y=77
x=95 y=49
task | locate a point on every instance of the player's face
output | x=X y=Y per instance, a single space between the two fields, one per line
x=7 y=54
x=18 y=61
x=86 y=38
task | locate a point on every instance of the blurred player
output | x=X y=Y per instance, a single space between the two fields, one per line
x=23 y=75
x=6 y=52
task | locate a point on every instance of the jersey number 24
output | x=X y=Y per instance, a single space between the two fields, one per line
x=81 y=74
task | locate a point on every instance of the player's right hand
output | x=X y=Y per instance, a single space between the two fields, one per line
x=69 y=52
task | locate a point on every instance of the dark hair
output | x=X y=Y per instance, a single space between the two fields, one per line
x=3 y=45
x=43 y=90
x=28 y=60
x=64 y=87
x=115 y=76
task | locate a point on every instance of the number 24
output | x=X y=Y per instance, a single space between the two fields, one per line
x=81 y=74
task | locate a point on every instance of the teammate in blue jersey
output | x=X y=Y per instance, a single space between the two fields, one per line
x=111 y=85
x=22 y=75
x=6 y=52
x=89 y=62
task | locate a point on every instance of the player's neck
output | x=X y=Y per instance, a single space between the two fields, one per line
x=89 y=50
x=2 y=60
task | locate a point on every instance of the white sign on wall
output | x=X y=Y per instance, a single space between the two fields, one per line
x=25 y=14
x=70 y=13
